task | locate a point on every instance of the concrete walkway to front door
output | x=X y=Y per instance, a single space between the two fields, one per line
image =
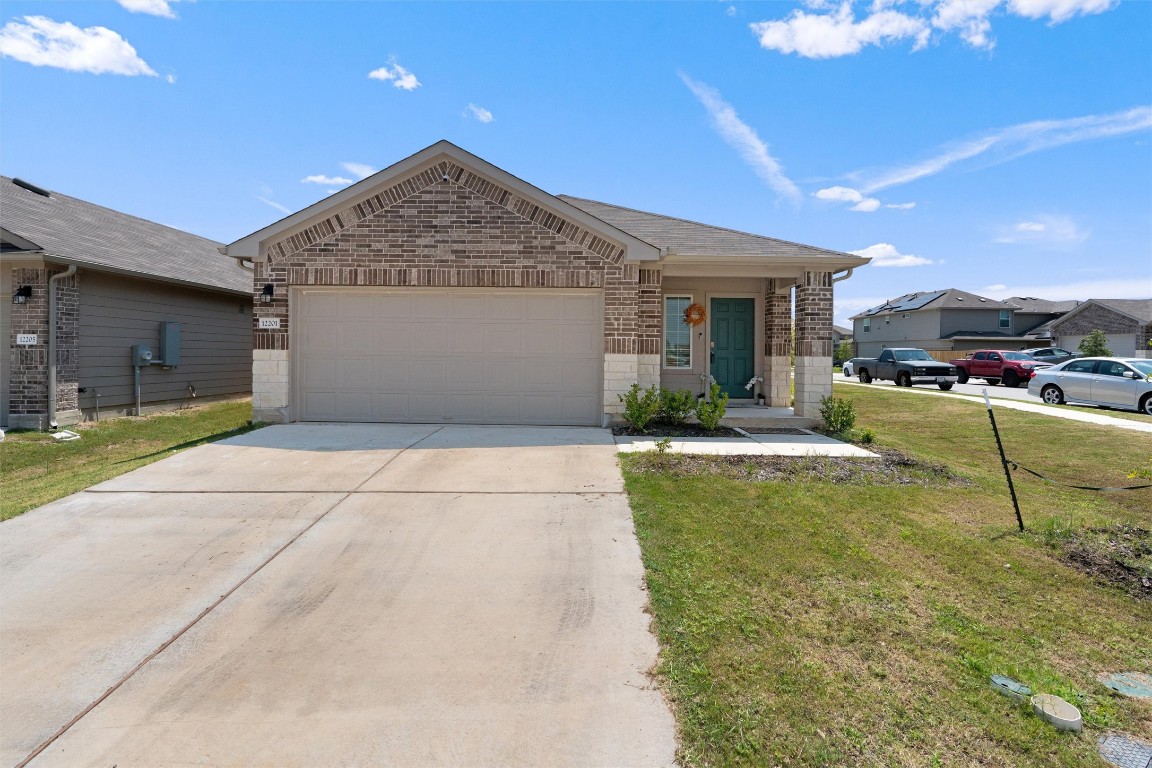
x=337 y=595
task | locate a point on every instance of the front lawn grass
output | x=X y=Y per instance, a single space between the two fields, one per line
x=36 y=469
x=821 y=624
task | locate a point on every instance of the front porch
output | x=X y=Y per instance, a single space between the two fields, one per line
x=739 y=334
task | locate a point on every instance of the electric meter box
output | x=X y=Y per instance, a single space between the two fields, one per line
x=170 y=344
x=141 y=354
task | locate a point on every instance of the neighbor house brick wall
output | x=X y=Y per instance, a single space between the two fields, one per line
x=1095 y=317
x=448 y=227
x=28 y=392
x=777 y=346
x=813 y=342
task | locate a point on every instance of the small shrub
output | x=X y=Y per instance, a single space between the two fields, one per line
x=663 y=445
x=710 y=411
x=839 y=414
x=676 y=407
x=843 y=352
x=640 y=406
x=1095 y=344
x=866 y=436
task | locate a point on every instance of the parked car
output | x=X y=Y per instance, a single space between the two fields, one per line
x=847 y=368
x=1049 y=354
x=1115 y=382
x=996 y=365
x=905 y=366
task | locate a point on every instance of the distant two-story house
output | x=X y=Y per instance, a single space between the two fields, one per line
x=951 y=322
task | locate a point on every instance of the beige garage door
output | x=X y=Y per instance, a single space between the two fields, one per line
x=457 y=357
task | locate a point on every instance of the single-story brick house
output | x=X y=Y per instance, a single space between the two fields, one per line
x=444 y=289
x=1127 y=323
x=111 y=280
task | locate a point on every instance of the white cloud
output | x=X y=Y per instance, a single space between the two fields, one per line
x=849 y=195
x=886 y=255
x=396 y=74
x=359 y=170
x=41 y=42
x=970 y=17
x=993 y=289
x=1059 y=10
x=1128 y=287
x=825 y=36
x=731 y=10
x=170 y=79
x=901 y=206
x=320 y=178
x=743 y=139
x=274 y=204
x=1045 y=230
x=1016 y=141
x=150 y=7
x=479 y=113
x=834 y=30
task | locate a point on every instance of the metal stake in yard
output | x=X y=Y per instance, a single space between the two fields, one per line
x=1003 y=460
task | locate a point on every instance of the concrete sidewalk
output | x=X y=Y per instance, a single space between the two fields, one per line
x=337 y=595
x=1047 y=410
x=750 y=444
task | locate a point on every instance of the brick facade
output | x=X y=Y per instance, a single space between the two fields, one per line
x=813 y=342
x=1099 y=317
x=28 y=377
x=448 y=227
x=778 y=346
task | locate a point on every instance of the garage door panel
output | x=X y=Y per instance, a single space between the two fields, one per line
x=504 y=340
x=464 y=357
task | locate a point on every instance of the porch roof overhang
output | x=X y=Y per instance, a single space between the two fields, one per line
x=736 y=265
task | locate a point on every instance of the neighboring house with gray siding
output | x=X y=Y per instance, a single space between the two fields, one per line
x=116 y=278
x=951 y=321
x=1127 y=324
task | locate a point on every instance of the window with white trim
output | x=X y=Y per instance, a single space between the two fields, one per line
x=677 y=333
x=867 y=325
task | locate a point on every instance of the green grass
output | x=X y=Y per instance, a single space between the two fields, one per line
x=35 y=469
x=812 y=624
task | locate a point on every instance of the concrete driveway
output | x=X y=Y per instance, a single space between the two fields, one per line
x=336 y=595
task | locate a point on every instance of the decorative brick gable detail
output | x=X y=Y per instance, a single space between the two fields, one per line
x=1096 y=317
x=464 y=232
x=438 y=174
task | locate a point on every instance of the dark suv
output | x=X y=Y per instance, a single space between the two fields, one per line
x=1050 y=354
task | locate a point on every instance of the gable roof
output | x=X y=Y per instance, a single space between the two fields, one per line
x=74 y=231
x=1139 y=310
x=681 y=237
x=341 y=206
x=949 y=298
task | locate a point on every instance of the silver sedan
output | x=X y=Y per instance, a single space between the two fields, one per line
x=1115 y=382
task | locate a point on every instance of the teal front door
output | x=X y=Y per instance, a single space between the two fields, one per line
x=733 y=353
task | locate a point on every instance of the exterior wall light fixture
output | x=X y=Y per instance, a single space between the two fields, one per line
x=266 y=294
x=22 y=294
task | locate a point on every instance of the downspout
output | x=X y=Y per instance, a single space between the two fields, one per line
x=844 y=276
x=52 y=342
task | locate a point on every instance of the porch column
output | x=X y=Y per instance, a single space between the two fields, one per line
x=813 y=342
x=649 y=320
x=778 y=345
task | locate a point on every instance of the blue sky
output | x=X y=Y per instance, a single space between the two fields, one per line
x=998 y=146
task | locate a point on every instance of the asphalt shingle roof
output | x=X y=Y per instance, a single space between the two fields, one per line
x=950 y=298
x=99 y=237
x=691 y=238
x=1033 y=304
x=1141 y=308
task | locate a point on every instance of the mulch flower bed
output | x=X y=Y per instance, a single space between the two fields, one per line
x=1120 y=555
x=892 y=468
x=672 y=430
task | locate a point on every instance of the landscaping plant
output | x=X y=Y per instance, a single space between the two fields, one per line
x=710 y=411
x=676 y=407
x=1095 y=344
x=839 y=414
x=640 y=406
